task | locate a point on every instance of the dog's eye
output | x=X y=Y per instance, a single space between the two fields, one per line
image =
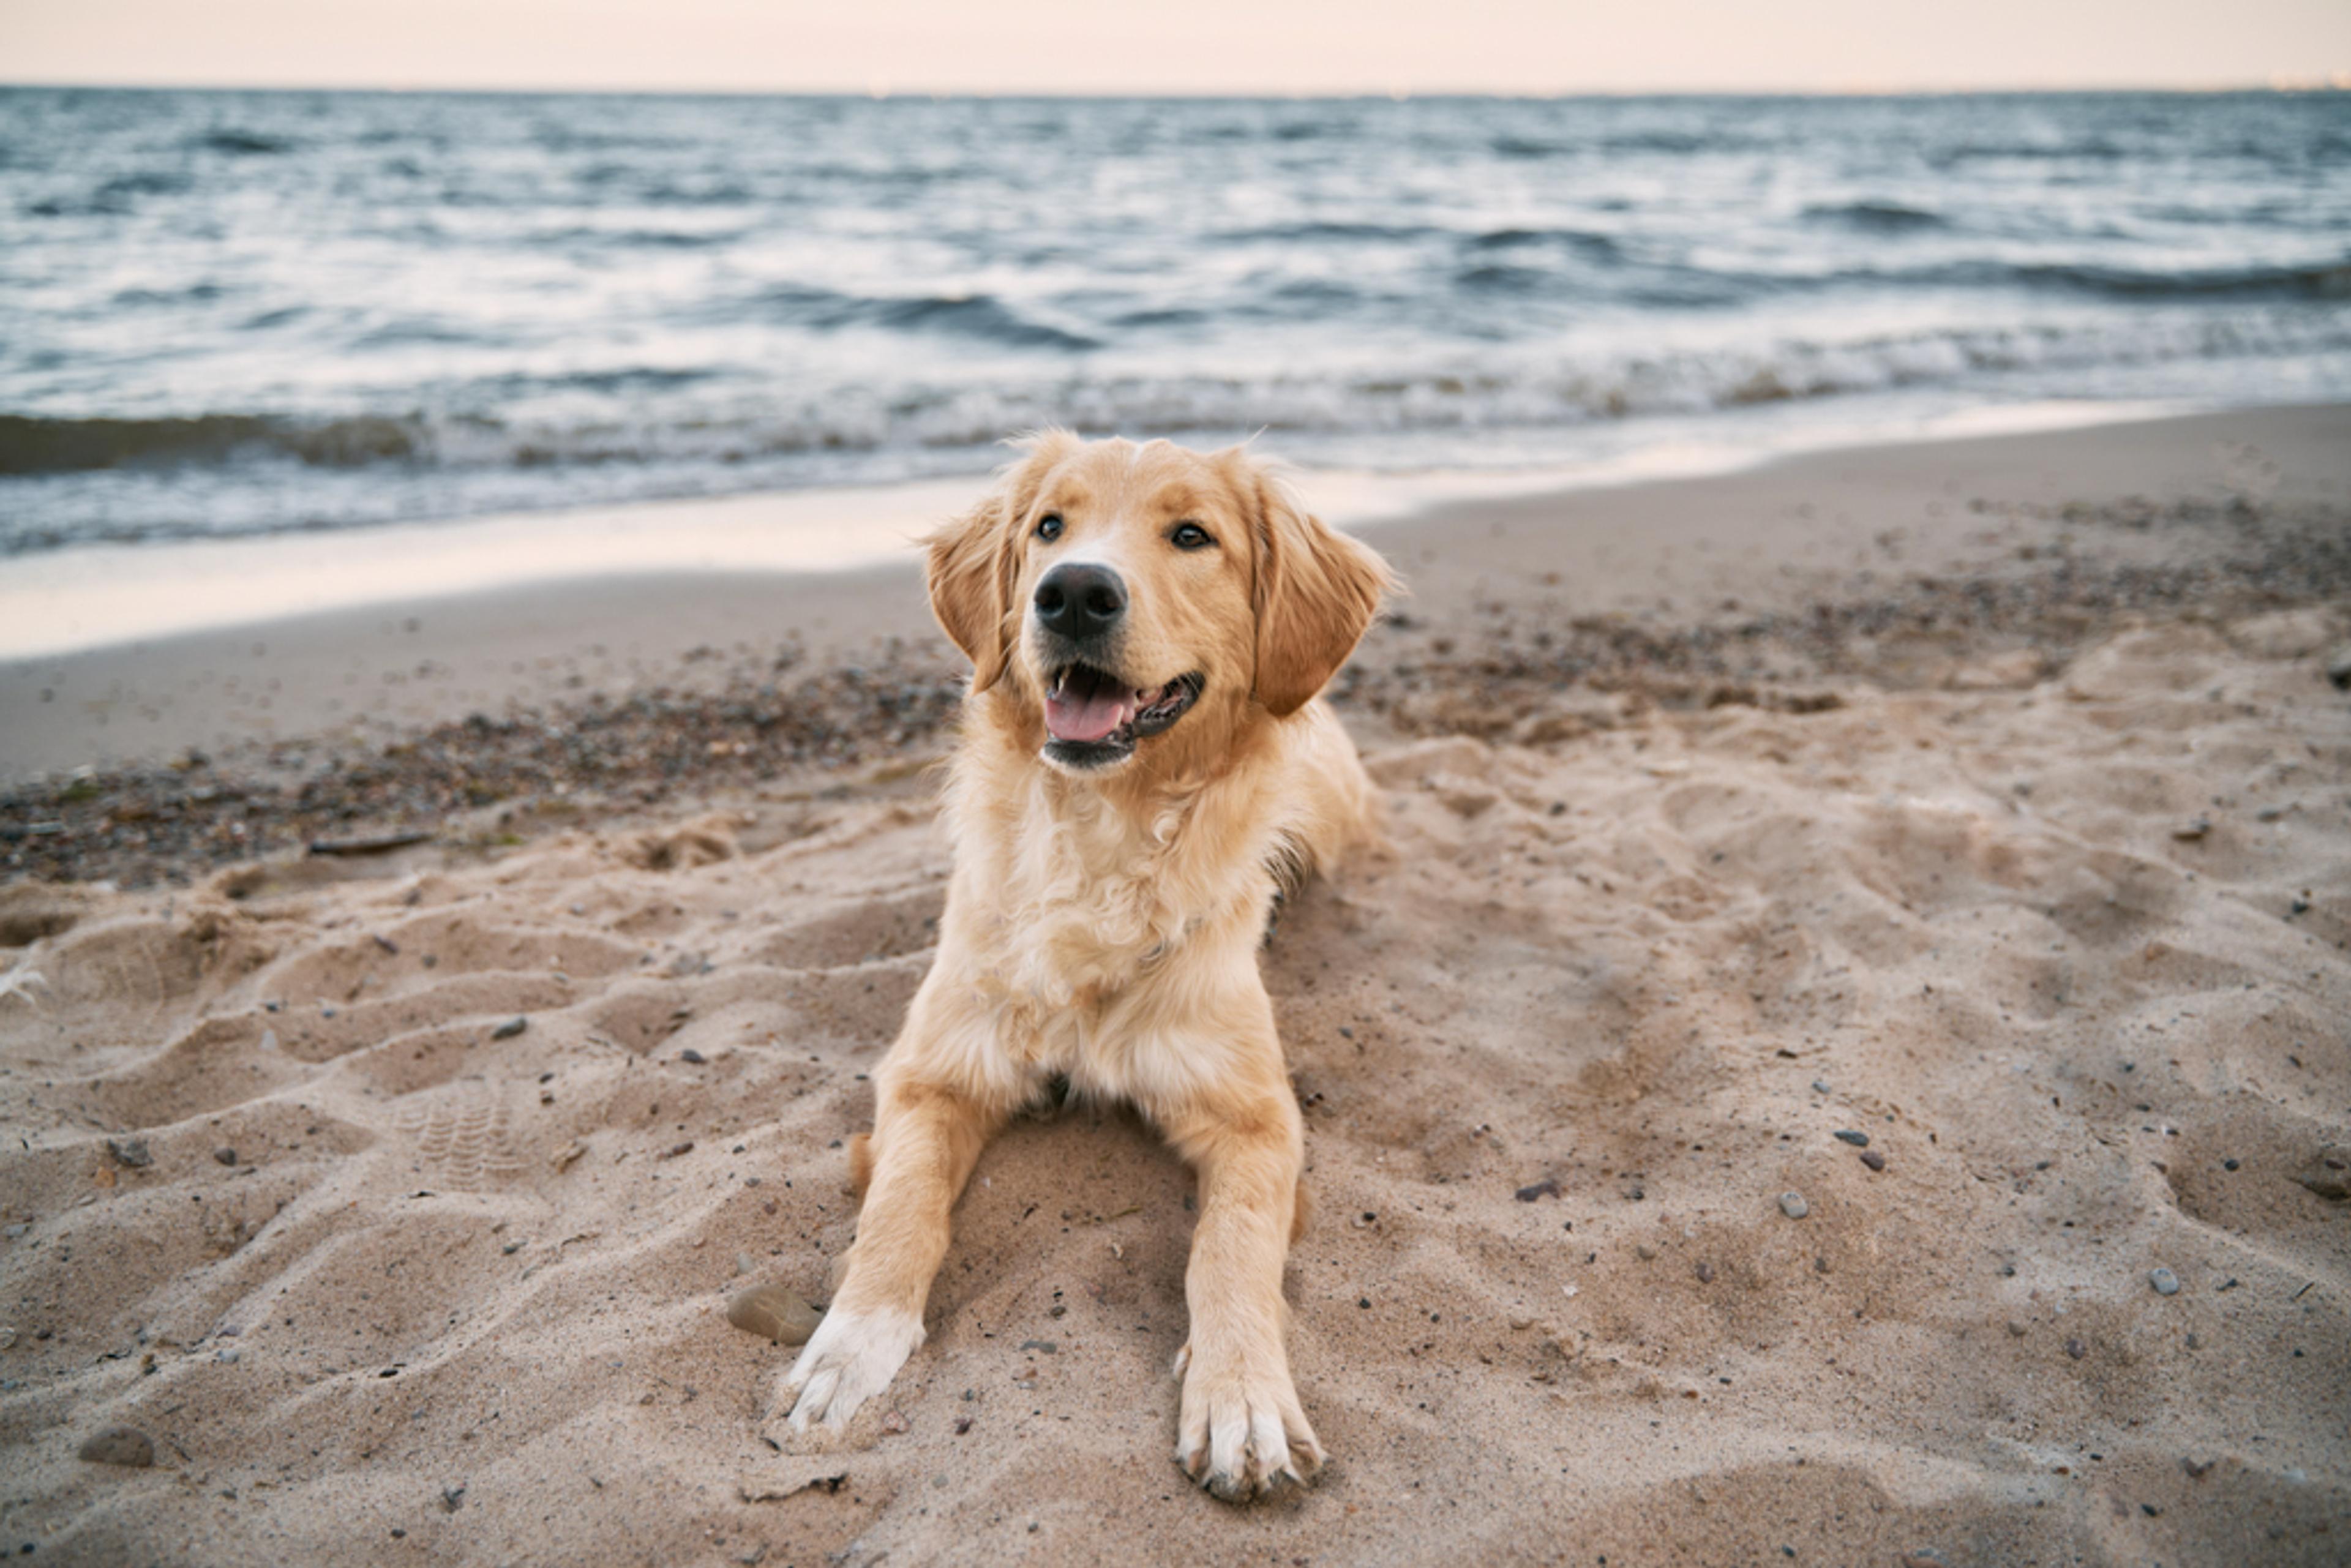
x=1191 y=536
x=1049 y=527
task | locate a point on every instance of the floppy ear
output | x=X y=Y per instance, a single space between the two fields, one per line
x=975 y=561
x=1316 y=591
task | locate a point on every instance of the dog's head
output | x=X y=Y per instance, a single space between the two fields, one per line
x=1122 y=593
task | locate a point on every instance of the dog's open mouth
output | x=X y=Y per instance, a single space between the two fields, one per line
x=1093 y=717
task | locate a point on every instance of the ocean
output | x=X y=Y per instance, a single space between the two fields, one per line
x=227 y=314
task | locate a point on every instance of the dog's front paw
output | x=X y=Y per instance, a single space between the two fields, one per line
x=849 y=1359
x=1242 y=1433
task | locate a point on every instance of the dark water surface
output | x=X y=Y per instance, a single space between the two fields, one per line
x=226 y=313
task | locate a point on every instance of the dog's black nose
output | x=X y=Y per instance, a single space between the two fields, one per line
x=1077 y=600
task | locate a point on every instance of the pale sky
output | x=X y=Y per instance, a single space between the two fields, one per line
x=1198 y=46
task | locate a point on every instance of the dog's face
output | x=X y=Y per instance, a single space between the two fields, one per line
x=1128 y=593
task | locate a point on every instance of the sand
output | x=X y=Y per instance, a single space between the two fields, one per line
x=2049 y=901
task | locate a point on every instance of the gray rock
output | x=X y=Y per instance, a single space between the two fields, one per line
x=775 y=1312
x=2165 y=1282
x=1793 y=1206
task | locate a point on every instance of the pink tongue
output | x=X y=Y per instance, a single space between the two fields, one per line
x=1069 y=717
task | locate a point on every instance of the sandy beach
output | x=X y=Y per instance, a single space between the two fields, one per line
x=1845 y=1061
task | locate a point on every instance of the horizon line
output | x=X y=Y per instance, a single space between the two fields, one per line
x=2336 y=81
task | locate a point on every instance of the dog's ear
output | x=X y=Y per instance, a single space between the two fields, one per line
x=1316 y=591
x=975 y=561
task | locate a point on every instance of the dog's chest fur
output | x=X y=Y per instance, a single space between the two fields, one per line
x=1080 y=905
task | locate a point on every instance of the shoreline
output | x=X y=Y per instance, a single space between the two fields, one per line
x=87 y=598
x=1902 y=566
x=1772 y=533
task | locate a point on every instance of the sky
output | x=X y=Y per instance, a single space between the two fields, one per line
x=1199 y=46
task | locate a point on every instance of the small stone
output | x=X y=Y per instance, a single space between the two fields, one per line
x=692 y=1057
x=894 y=1422
x=1820 y=1087
x=1521 y=1321
x=126 y=1445
x=453 y=1497
x=227 y=1354
x=562 y=1158
x=774 y=1311
x=224 y=1157
x=2165 y=1282
x=2076 y=1349
x=1706 y=1273
x=1547 y=1187
x=1859 y=1140
x=2328 y=1172
x=2015 y=1328
x=1872 y=1159
x=2338 y=668
x=742 y=1263
x=675 y=1150
x=1644 y=1251
x=2189 y=833
x=7 y=1339
x=1041 y=1346
x=130 y=1153
x=511 y=1028
x=2197 y=1468
x=1793 y=1206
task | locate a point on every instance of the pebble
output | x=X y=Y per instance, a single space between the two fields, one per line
x=774 y=1311
x=2338 y=668
x=692 y=1057
x=1547 y=1187
x=1820 y=1086
x=511 y=1028
x=1859 y=1140
x=2076 y=1349
x=130 y=1151
x=227 y=1354
x=2165 y=1282
x=120 y=1446
x=1793 y=1206
x=1872 y=1159
x=225 y=1156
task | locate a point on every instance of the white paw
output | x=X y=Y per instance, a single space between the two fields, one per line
x=849 y=1359
x=1242 y=1433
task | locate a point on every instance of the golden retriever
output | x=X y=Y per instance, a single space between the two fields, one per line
x=1144 y=761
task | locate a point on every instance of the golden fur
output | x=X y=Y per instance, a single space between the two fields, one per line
x=1102 y=924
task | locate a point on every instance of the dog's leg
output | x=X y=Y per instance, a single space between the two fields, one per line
x=1241 y=1431
x=925 y=1141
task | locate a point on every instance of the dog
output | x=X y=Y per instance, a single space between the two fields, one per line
x=1144 y=761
